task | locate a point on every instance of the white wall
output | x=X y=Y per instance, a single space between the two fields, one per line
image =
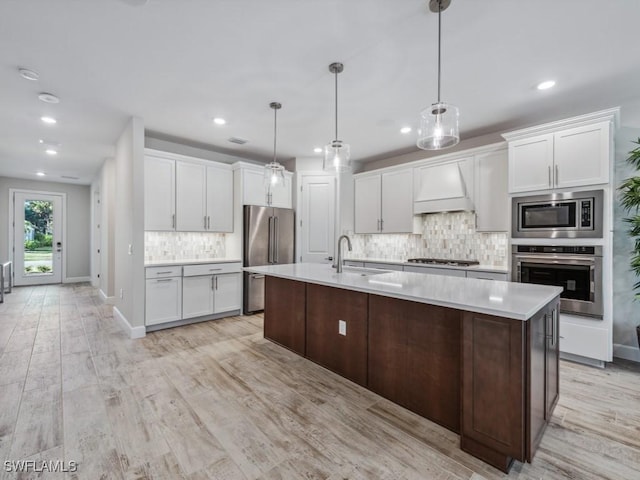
x=78 y=221
x=106 y=184
x=625 y=307
x=128 y=206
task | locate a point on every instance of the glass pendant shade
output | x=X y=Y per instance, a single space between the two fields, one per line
x=337 y=156
x=438 y=127
x=273 y=175
x=274 y=171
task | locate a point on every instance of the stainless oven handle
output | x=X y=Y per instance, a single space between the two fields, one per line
x=556 y=259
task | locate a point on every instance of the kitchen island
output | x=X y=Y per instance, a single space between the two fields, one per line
x=479 y=357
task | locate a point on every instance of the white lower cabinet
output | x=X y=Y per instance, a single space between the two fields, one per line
x=163 y=299
x=183 y=292
x=210 y=288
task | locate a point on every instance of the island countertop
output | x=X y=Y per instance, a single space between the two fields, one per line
x=519 y=301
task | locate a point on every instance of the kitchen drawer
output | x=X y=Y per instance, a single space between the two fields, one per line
x=383 y=266
x=452 y=272
x=487 y=275
x=163 y=272
x=584 y=340
x=211 y=269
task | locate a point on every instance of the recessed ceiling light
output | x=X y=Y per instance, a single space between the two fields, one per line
x=40 y=174
x=51 y=151
x=49 y=120
x=546 y=85
x=28 y=74
x=48 y=97
x=219 y=121
x=317 y=150
x=405 y=130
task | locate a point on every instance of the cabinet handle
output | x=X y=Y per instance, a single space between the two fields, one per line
x=549 y=171
x=213 y=285
x=381 y=224
x=208 y=222
x=215 y=269
x=205 y=222
x=557 y=175
x=216 y=277
x=164 y=280
x=162 y=273
x=275 y=239
x=173 y=220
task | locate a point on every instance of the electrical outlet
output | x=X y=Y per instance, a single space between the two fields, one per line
x=342 y=327
x=130 y=250
x=122 y=293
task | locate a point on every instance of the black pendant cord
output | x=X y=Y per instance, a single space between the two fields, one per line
x=439 y=43
x=336 y=76
x=275 y=132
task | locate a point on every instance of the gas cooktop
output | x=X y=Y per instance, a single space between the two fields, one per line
x=443 y=261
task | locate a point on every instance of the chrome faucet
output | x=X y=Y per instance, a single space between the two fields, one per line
x=339 y=259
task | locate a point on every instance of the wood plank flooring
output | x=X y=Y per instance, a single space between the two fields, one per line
x=216 y=400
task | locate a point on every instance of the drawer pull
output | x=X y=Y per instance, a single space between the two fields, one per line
x=215 y=269
x=163 y=273
x=165 y=280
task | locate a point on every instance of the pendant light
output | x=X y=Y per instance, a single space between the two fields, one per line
x=438 y=122
x=274 y=171
x=337 y=154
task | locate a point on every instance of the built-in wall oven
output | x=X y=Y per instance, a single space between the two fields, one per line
x=577 y=269
x=558 y=215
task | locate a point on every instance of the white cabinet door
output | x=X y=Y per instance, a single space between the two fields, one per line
x=397 y=202
x=253 y=190
x=531 y=164
x=197 y=296
x=226 y=292
x=281 y=196
x=191 y=184
x=491 y=197
x=581 y=156
x=219 y=199
x=367 y=203
x=317 y=218
x=159 y=193
x=163 y=300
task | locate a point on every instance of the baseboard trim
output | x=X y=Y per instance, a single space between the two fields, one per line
x=105 y=299
x=76 y=279
x=626 y=352
x=592 y=362
x=133 y=332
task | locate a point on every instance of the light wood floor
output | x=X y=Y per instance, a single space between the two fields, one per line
x=216 y=400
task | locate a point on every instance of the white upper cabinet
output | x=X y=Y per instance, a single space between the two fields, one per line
x=570 y=153
x=191 y=191
x=159 y=193
x=219 y=199
x=491 y=198
x=255 y=193
x=531 y=164
x=187 y=194
x=397 y=202
x=383 y=202
x=581 y=156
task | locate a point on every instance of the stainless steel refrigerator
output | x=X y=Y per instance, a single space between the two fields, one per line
x=268 y=240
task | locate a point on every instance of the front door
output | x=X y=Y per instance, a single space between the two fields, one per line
x=37 y=239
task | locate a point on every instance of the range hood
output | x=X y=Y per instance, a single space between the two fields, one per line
x=443 y=188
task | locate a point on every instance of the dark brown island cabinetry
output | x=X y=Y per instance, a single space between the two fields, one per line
x=493 y=380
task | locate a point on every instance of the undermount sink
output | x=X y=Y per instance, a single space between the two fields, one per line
x=363 y=272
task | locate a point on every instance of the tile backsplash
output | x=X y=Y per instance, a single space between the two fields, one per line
x=444 y=235
x=169 y=246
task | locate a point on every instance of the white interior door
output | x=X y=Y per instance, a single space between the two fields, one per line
x=318 y=218
x=37 y=238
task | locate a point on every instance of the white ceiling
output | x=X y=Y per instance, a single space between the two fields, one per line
x=179 y=63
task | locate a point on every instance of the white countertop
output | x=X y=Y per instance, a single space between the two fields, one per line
x=479 y=268
x=199 y=261
x=519 y=301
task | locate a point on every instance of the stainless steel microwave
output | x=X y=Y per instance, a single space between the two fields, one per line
x=558 y=215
